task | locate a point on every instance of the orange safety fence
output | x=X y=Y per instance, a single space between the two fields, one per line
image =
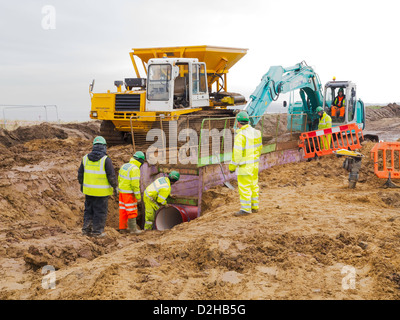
x=386 y=159
x=325 y=141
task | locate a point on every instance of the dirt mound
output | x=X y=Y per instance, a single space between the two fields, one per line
x=86 y=130
x=310 y=230
x=24 y=134
x=392 y=110
x=48 y=131
x=274 y=128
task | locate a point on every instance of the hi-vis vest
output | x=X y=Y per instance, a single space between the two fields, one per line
x=339 y=101
x=246 y=150
x=325 y=122
x=339 y=104
x=95 y=182
x=129 y=178
x=159 y=190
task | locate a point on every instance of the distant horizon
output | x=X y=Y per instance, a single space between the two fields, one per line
x=40 y=116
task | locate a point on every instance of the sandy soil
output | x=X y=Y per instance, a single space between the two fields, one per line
x=380 y=122
x=311 y=237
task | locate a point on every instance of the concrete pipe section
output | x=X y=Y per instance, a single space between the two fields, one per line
x=167 y=218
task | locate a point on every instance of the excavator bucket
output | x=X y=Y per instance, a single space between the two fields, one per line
x=217 y=59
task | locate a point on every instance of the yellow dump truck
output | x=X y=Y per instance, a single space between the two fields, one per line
x=179 y=81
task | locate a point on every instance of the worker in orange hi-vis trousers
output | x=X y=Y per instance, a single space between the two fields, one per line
x=338 y=107
x=129 y=193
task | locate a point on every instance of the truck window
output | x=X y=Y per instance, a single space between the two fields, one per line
x=158 y=82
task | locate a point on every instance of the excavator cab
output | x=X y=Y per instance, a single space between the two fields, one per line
x=346 y=109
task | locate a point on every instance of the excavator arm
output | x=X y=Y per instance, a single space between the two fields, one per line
x=283 y=80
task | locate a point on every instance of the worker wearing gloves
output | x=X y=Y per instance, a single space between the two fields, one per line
x=129 y=193
x=98 y=181
x=245 y=160
x=156 y=195
x=325 y=122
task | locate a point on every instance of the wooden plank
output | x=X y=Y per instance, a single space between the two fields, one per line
x=185 y=201
x=287 y=145
x=268 y=148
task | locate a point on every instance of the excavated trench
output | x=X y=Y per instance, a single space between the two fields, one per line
x=309 y=227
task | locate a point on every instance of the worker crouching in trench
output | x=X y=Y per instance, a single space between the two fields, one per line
x=156 y=195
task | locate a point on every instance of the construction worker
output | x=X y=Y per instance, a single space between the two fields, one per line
x=129 y=193
x=338 y=106
x=156 y=195
x=98 y=181
x=245 y=160
x=325 y=122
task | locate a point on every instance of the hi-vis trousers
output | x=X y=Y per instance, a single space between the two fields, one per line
x=151 y=208
x=326 y=142
x=127 y=209
x=248 y=191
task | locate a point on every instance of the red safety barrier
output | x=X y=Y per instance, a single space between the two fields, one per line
x=325 y=141
x=388 y=166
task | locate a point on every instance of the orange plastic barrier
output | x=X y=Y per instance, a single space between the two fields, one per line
x=325 y=141
x=382 y=166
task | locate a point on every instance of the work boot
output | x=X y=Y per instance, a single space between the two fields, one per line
x=254 y=210
x=241 y=213
x=99 y=235
x=133 y=229
x=86 y=233
x=123 y=231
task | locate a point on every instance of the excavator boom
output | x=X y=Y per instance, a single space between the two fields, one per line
x=302 y=115
x=280 y=80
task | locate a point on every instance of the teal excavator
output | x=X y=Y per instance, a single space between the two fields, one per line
x=302 y=115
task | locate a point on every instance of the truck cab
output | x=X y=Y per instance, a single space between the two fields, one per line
x=176 y=84
x=354 y=110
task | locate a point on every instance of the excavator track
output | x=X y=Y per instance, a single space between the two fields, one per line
x=112 y=136
x=192 y=121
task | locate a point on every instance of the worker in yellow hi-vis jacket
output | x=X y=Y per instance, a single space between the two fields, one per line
x=325 y=122
x=245 y=161
x=156 y=195
x=129 y=193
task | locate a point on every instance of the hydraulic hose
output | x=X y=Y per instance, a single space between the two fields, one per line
x=276 y=93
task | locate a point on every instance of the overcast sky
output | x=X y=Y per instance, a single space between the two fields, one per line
x=349 y=39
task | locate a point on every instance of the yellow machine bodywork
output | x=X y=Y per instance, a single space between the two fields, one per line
x=218 y=61
x=103 y=105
